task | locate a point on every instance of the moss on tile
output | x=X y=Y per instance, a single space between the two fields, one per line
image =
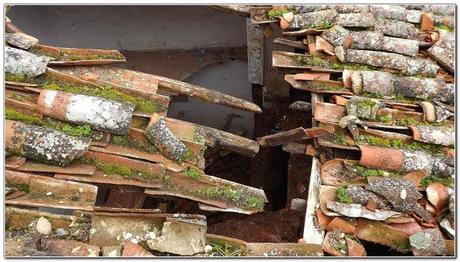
x=107 y=92
x=342 y=195
x=131 y=143
x=446 y=181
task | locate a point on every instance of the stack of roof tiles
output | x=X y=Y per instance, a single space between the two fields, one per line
x=381 y=81
x=74 y=123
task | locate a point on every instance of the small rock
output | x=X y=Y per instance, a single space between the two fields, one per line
x=111 y=251
x=207 y=248
x=437 y=195
x=61 y=232
x=43 y=226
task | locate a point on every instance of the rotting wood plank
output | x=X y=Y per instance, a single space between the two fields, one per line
x=255 y=45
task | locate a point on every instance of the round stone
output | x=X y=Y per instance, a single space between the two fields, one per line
x=43 y=226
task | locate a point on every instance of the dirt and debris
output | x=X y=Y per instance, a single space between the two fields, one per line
x=356 y=159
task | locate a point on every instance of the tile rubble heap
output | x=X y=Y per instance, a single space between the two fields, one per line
x=381 y=83
x=76 y=124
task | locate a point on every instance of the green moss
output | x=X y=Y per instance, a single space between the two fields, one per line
x=223 y=249
x=16 y=77
x=373 y=95
x=139 y=145
x=352 y=237
x=117 y=170
x=188 y=156
x=341 y=140
x=254 y=202
x=73 y=57
x=426 y=181
x=21 y=187
x=341 y=246
x=444 y=27
x=18 y=97
x=193 y=173
x=167 y=182
x=83 y=130
x=363 y=103
x=322 y=86
x=219 y=193
x=273 y=14
x=107 y=92
x=12 y=114
x=70 y=129
x=397 y=143
x=343 y=196
x=370 y=172
x=311 y=60
x=386 y=119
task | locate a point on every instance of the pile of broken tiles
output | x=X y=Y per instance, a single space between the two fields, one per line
x=381 y=81
x=76 y=124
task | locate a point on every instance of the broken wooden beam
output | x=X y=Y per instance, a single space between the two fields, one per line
x=293 y=135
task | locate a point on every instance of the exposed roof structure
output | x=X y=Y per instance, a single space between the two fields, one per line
x=382 y=100
x=380 y=79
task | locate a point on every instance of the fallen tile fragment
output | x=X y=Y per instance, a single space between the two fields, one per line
x=101 y=114
x=61 y=247
x=401 y=193
x=164 y=139
x=21 y=62
x=20 y=40
x=428 y=242
x=134 y=250
x=43 y=144
x=111 y=251
x=180 y=236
